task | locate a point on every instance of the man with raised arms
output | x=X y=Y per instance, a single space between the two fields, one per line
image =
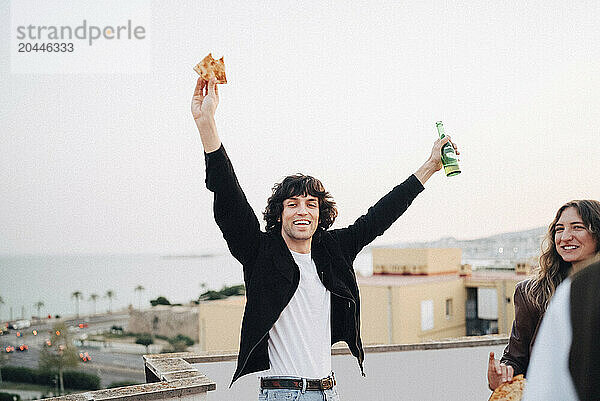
x=301 y=289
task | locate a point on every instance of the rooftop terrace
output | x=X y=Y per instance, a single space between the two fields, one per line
x=437 y=370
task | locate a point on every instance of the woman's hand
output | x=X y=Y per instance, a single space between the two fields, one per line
x=498 y=373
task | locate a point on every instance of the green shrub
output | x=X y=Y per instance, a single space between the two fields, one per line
x=81 y=381
x=144 y=339
x=180 y=338
x=121 y=384
x=45 y=376
x=160 y=301
x=72 y=379
x=234 y=290
x=175 y=347
x=212 y=295
x=9 y=397
x=224 y=293
x=18 y=374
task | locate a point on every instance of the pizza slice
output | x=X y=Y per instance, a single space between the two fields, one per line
x=509 y=391
x=209 y=67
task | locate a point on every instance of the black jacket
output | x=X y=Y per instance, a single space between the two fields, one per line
x=584 y=356
x=270 y=274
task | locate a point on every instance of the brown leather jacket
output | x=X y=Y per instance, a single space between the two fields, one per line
x=524 y=330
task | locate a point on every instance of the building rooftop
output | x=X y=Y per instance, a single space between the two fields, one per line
x=399 y=280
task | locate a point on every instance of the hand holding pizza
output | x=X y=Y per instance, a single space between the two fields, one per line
x=205 y=100
x=204 y=105
x=498 y=373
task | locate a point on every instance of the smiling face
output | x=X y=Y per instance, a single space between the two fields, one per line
x=573 y=241
x=299 y=221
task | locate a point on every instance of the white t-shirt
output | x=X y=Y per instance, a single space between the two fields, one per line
x=548 y=375
x=300 y=340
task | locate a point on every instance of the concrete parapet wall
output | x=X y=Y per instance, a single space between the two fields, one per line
x=399 y=371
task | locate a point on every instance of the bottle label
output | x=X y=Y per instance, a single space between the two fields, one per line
x=448 y=155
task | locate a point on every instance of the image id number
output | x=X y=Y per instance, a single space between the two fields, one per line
x=46 y=47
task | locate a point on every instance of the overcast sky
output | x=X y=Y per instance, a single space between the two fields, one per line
x=346 y=91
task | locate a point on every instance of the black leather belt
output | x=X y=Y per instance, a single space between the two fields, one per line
x=297 y=384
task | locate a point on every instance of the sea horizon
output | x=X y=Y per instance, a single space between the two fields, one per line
x=53 y=278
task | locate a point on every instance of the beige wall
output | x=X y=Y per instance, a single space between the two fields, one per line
x=165 y=320
x=220 y=323
x=403 y=313
x=374 y=314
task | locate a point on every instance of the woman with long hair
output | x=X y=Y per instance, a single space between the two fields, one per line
x=571 y=243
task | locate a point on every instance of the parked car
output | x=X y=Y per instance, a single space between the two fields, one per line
x=22 y=347
x=85 y=357
x=21 y=324
x=9 y=348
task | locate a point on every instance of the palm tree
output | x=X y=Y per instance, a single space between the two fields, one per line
x=139 y=289
x=77 y=295
x=93 y=298
x=110 y=294
x=39 y=305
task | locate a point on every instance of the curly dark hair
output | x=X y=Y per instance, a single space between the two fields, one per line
x=553 y=269
x=299 y=185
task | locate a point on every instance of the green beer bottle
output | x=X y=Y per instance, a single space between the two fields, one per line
x=449 y=158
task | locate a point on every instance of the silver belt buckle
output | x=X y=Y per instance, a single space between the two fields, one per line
x=327 y=383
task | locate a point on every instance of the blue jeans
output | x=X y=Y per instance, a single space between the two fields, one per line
x=268 y=394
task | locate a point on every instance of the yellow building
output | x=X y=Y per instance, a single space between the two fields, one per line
x=409 y=309
x=220 y=323
x=418 y=295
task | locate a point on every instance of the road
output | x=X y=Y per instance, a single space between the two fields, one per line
x=109 y=364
